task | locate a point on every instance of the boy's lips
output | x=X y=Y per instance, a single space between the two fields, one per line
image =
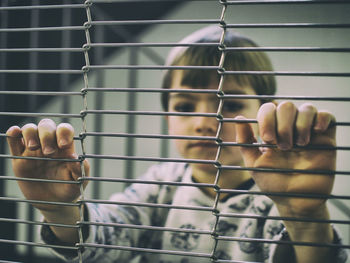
x=203 y=145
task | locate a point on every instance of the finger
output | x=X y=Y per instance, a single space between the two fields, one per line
x=64 y=136
x=266 y=118
x=305 y=120
x=286 y=113
x=323 y=121
x=47 y=136
x=245 y=134
x=15 y=141
x=31 y=137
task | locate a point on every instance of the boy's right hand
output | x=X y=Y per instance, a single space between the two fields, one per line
x=49 y=141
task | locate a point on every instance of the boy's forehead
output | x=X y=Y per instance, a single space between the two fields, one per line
x=230 y=85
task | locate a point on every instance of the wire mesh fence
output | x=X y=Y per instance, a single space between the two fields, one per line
x=98 y=65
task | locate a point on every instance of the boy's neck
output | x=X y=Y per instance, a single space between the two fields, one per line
x=227 y=180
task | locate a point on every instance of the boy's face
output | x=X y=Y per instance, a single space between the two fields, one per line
x=208 y=126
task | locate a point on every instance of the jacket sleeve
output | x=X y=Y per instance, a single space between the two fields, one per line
x=115 y=243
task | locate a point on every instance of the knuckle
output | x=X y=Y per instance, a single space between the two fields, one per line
x=284 y=132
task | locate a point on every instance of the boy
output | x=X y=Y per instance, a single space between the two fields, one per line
x=207 y=228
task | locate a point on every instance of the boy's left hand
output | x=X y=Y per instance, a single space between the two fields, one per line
x=286 y=125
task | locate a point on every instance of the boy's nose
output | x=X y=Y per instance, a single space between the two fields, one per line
x=205 y=125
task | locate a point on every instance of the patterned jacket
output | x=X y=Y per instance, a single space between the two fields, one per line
x=237 y=229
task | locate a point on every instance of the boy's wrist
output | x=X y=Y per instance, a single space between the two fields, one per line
x=305 y=231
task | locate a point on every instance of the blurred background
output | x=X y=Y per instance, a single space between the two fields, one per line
x=25 y=70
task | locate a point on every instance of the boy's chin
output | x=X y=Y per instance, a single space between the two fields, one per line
x=207 y=168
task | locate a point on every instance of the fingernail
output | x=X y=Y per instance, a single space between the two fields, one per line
x=267 y=137
x=284 y=146
x=32 y=144
x=301 y=142
x=63 y=142
x=48 y=150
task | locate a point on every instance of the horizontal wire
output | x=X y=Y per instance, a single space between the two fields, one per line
x=39 y=29
x=166 y=206
x=178 y=184
x=19 y=200
x=300 y=195
x=40 y=114
x=9 y=156
x=281 y=242
x=206 y=138
x=151 y=67
x=40 y=93
x=283 y=170
x=217 y=21
x=278 y=218
x=223 y=238
x=220 y=94
x=139 y=181
x=141 y=1
x=232 y=2
x=154 y=22
x=152 y=113
x=144 y=227
x=155 y=44
x=182 y=160
x=222 y=48
x=7 y=261
x=42 y=71
x=218 y=165
x=154 y=159
x=33 y=7
x=184 y=114
x=37 y=223
x=215 y=187
x=288 y=2
x=55 y=50
x=27 y=243
x=221 y=71
x=289 y=25
x=287 y=49
x=43 y=180
x=286 y=73
x=146 y=250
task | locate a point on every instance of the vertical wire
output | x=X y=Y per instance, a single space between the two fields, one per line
x=214 y=234
x=87 y=26
x=65 y=58
x=6 y=249
x=131 y=119
x=98 y=120
x=3 y=82
x=33 y=83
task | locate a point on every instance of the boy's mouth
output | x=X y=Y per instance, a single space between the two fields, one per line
x=203 y=145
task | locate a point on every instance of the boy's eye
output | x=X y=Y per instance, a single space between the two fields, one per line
x=232 y=106
x=184 y=107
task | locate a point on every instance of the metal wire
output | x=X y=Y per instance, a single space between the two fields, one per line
x=91 y=23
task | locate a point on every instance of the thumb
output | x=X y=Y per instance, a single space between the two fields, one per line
x=245 y=134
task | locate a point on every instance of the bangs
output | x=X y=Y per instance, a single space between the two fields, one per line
x=202 y=78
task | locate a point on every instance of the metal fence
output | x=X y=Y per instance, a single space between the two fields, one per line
x=57 y=61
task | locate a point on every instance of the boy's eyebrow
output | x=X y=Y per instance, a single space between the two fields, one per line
x=181 y=95
x=192 y=96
